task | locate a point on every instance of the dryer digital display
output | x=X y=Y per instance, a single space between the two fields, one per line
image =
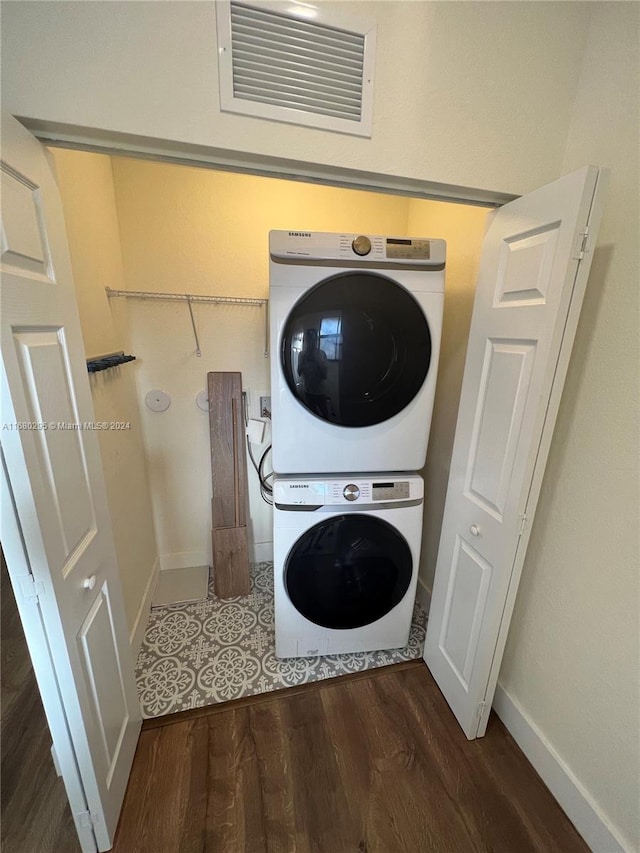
x=415 y=250
x=356 y=349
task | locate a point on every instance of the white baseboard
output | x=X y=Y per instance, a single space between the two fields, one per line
x=423 y=595
x=142 y=616
x=578 y=805
x=184 y=560
x=261 y=552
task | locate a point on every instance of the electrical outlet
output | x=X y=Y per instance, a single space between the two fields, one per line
x=255 y=431
x=265 y=407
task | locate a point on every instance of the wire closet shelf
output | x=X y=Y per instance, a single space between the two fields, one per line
x=189 y=298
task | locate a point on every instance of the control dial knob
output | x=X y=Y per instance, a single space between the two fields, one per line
x=361 y=245
x=351 y=492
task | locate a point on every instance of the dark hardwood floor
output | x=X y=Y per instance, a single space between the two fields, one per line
x=370 y=763
x=373 y=763
x=35 y=817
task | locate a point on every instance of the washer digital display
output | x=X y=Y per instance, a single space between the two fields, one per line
x=390 y=491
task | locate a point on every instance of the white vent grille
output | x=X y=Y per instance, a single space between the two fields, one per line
x=278 y=65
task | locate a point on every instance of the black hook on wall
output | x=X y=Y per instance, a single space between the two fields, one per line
x=104 y=362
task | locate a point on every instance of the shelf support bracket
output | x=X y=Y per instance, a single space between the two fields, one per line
x=193 y=324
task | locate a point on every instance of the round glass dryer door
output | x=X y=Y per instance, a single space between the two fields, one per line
x=348 y=571
x=356 y=349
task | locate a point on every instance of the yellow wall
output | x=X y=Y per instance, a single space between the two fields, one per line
x=199 y=231
x=86 y=187
x=463 y=229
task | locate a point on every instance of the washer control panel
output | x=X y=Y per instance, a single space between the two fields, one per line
x=380 y=249
x=315 y=492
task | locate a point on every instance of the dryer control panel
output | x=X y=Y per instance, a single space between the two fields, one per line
x=316 y=491
x=367 y=249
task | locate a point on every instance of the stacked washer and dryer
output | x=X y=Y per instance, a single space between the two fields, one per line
x=355 y=326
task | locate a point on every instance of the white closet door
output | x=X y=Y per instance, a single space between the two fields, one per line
x=533 y=273
x=56 y=485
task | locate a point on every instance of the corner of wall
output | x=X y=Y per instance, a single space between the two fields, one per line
x=88 y=197
x=576 y=802
x=136 y=635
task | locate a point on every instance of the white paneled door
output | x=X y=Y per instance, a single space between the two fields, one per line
x=55 y=484
x=535 y=262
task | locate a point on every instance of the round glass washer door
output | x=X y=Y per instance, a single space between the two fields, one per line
x=356 y=349
x=348 y=571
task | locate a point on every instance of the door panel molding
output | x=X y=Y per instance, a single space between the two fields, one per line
x=467 y=592
x=494 y=439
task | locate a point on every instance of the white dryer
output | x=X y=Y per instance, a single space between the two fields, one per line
x=346 y=552
x=356 y=322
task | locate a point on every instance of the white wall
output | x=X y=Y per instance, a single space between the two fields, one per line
x=191 y=230
x=86 y=187
x=571 y=662
x=466 y=93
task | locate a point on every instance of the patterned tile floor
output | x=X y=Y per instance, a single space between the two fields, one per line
x=213 y=651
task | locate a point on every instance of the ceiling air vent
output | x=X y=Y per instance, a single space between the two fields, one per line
x=297 y=63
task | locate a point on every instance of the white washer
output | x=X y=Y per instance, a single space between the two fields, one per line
x=346 y=552
x=356 y=322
